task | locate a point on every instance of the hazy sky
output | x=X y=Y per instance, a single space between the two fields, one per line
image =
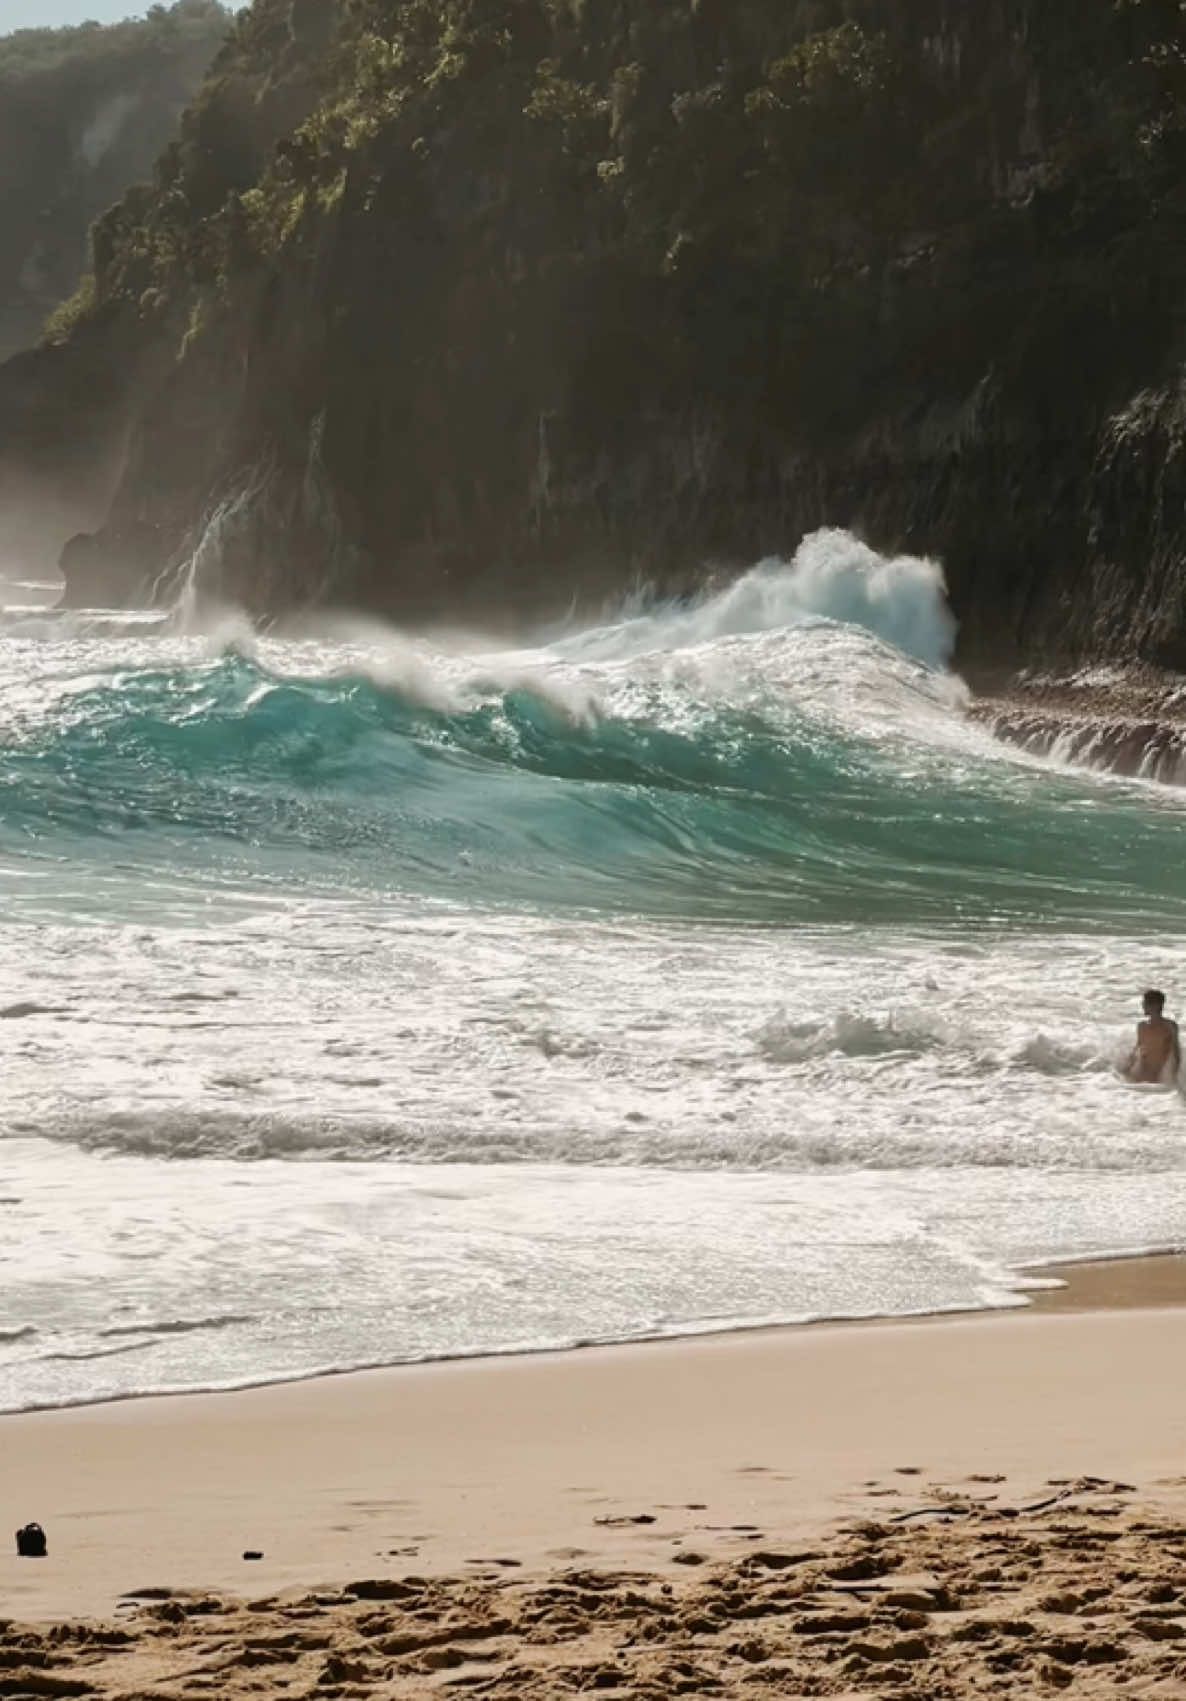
x=39 y=14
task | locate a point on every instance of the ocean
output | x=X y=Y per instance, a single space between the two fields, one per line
x=370 y=996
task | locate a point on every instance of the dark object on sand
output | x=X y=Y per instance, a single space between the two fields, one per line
x=31 y=1543
x=252 y=1554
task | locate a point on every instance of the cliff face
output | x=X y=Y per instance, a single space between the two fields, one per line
x=478 y=304
x=84 y=113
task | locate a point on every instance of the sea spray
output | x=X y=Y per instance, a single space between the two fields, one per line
x=810 y=773
x=832 y=576
x=378 y=996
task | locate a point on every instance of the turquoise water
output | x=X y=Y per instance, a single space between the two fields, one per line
x=368 y=996
x=663 y=803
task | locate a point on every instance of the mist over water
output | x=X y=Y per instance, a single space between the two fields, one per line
x=369 y=996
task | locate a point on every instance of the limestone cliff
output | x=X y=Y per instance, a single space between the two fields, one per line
x=483 y=304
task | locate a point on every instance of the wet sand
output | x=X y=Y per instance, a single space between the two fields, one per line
x=1115 y=1284
x=629 y=1457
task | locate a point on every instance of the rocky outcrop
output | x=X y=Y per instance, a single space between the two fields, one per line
x=114 y=568
x=479 y=305
x=1152 y=749
x=66 y=417
x=1127 y=720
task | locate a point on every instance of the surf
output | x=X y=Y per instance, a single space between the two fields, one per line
x=393 y=995
x=790 y=749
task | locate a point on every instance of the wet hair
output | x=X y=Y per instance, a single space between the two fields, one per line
x=1157 y=999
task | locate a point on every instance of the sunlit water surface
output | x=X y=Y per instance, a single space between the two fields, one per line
x=367 y=997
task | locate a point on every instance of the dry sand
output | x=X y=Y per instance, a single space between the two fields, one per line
x=1084 y=1595
x=933 y=1508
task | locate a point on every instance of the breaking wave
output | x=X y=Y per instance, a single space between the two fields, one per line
x=372 y=997
x=182 y=1136
x=751 y=756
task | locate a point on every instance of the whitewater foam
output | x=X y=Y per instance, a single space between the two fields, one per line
x=833 y=576
x=373 y=997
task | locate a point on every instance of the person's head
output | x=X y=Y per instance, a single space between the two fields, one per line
x=1154 y=1003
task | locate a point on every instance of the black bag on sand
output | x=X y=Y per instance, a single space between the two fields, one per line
x=30 y=1542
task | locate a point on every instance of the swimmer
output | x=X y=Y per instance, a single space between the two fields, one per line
x=1157 y=1056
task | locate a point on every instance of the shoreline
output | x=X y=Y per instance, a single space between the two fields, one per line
x=1122 y=1281
x=1105 y=691
x=618 y=1455
x=1147 y=1280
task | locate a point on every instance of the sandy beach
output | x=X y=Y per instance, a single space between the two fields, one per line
x=754 y=1507
x=592 y=898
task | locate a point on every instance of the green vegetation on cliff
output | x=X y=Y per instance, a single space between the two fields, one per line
x=84 y=112
x=457 y=298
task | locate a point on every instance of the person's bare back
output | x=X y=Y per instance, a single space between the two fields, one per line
x=1157 y=1055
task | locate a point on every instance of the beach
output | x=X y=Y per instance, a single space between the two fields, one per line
x=592 y=792
x=532 y=1522
x=556 y=1169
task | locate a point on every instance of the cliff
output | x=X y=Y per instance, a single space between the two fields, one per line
x=485 y=304
x=84 y=113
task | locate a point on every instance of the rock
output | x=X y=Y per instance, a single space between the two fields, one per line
x=111 y=568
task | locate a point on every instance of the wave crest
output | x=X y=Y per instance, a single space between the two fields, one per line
x=799 y=1147
x=833 y=577
x=777 y=751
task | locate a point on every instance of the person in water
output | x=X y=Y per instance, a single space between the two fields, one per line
x=1157 y=1055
